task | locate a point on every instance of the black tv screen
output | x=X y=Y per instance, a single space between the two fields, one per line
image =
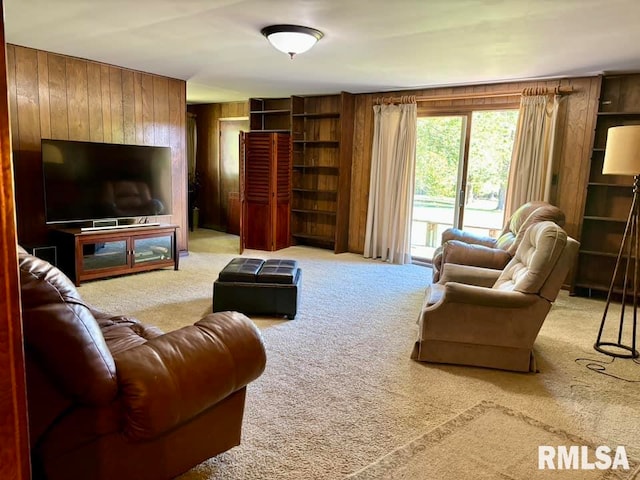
x=85 y=181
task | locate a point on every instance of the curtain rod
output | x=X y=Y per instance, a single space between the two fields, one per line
x=466 y=96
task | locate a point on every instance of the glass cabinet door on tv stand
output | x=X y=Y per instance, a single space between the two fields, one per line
x=98 y=254
x=152 y=248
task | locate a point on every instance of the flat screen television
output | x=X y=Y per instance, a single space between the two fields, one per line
x=88 y=181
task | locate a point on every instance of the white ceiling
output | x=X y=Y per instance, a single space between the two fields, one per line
x=369 y=45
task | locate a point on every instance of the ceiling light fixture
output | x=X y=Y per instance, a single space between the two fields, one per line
x=291 y=39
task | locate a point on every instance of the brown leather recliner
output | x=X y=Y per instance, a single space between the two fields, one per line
x=110 y=398
x=466 y=248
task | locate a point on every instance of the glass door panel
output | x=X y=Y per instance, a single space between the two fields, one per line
x=152 y=249
x=109 y=254
x=439 y=154
x=491 y=144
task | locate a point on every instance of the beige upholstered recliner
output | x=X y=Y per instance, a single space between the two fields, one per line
x=466 y=248
x=491 y=318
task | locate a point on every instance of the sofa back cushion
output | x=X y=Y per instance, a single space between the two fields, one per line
x=534 y=260
x=62 y=335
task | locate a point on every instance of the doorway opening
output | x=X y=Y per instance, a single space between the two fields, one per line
x=229 y=156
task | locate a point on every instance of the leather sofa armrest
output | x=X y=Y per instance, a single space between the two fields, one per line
x=467 y=237
x=455 y=251
x=174 y=377
x=472 y=294
x=479 y=276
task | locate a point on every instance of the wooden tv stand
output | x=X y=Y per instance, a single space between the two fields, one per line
x=89 y=255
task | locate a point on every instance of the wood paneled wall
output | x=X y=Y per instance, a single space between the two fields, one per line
x=575 y=129
x=60 y=97
x=210 y=199
x=14 y=434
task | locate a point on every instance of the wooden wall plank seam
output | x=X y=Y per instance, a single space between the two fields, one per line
x=78 y=99
x=115 y=98
x=58 y=101
x=105 y=93
x=94 y=93
x=43 y=95
x=147 y=109
x=137 y=107
x=128 y=107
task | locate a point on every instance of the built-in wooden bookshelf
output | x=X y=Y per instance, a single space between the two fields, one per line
x=322 y=136
x=608 y=197
x=270 y=115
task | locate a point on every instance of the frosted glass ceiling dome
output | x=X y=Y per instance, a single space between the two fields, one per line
x=292 y=39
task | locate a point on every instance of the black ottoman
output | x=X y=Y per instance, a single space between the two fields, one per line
x=259 y=287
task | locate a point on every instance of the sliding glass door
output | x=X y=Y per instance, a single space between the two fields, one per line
x=440 y=150
x=462 y=170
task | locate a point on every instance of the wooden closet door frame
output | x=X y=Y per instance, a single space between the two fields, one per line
x=242 y=147
x=222 y=163
x=14 y=432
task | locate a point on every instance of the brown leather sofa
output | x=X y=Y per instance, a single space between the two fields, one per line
x=491 y=318
x=111 y=398
x=467 y=248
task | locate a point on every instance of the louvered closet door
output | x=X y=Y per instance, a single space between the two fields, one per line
x=257 y=218
x=282 y=229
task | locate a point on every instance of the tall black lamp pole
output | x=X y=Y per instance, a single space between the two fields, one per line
x=622 y=157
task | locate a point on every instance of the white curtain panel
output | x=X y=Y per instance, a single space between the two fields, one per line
x=533 y=148
x=388 y=233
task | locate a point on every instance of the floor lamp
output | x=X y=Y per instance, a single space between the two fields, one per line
x=622 y=157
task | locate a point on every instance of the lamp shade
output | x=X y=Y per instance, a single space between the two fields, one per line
x=292 y=39
x=622 y=152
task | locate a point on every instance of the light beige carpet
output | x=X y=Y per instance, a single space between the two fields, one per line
x=340 y=391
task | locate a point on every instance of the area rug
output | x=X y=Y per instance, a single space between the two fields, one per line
x=487 y=441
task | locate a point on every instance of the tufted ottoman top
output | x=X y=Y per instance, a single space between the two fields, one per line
x=278 y=271
x=241 y=270
x=256 y=270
